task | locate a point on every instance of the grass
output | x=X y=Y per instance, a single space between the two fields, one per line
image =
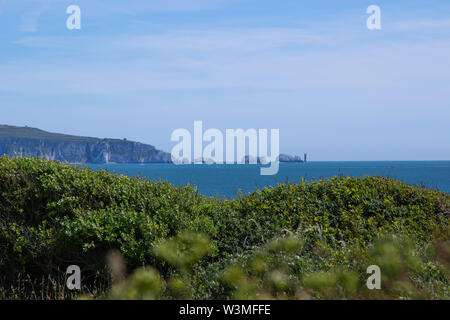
x=7 y=131
x=294 y=241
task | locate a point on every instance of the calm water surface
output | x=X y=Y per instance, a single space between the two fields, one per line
x=228 y=180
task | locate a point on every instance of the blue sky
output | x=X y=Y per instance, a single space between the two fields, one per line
x=140 y=69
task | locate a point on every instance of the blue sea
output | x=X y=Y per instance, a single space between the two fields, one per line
x=229 y=180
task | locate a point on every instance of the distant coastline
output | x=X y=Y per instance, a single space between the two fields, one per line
x=27 y=141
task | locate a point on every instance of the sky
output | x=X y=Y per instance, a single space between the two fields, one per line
x=142 y=68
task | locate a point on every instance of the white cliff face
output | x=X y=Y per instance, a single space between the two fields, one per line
x=99 y=151
x=25 y=141
x=106 y=153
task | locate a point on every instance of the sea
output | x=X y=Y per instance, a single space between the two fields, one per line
x=227 y=181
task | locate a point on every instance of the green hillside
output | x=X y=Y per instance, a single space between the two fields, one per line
x=7 y=131
x=306 y=240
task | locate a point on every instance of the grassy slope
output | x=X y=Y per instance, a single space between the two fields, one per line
x=53 y=215
x=38 y=134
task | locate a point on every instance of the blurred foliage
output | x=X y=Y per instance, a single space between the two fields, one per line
x=272 y=272
x=326 y=232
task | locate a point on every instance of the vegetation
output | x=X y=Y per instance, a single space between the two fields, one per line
x=7 y=131
x=134 y=238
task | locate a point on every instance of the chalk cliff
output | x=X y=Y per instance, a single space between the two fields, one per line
x=26 y=141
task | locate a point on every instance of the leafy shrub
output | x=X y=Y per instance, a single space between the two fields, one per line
x=53 y=215
x=271 y=272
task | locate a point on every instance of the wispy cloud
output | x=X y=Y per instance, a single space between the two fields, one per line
x=131 y=6
x=423 y=25
x=30 y=19
x=167 y=5
x=250 y=39
x=367 y=67
x=242 y=40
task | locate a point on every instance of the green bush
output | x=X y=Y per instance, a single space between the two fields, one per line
x=53 y=215
x=271 y=272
